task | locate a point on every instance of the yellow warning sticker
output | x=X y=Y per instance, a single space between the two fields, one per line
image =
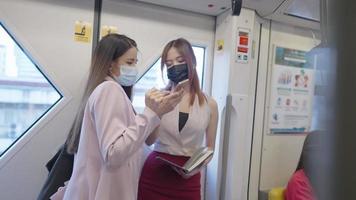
x=82 y=31
x=105 y=30
x=220 y=45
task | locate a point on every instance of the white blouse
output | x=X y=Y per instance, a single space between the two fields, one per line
x=190 y=138
x=109 y=158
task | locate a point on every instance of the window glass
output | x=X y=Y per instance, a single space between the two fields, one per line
x=25 y=93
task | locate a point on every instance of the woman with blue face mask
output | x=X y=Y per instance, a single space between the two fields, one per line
x=107 y=136
x=188 y=127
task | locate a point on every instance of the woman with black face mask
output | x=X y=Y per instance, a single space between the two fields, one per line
x=181 y=132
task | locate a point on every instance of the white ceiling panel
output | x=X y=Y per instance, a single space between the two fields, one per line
x=263 y=7
x=303 y=13
x=198 y=6
x=306 y=9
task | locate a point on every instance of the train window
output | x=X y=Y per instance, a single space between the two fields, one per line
x=154 y=78
x=25 y=93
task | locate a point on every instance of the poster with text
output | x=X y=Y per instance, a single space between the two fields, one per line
x=292 y=90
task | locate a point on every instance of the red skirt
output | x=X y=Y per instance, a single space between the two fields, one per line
x=159 y=181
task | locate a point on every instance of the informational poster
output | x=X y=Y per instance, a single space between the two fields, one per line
x=242 y=48
x=82 y=31
x=292 y=90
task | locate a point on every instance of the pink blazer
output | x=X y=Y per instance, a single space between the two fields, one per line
x=109 y=158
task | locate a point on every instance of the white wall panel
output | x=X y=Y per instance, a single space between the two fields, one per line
x=280 y=153
x=237 y=79
x=45 y=28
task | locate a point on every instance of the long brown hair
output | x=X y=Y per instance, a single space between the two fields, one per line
x=185 y=49
x=110 y=48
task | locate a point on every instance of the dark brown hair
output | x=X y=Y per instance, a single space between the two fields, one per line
x=110 y=48
x=185 y=49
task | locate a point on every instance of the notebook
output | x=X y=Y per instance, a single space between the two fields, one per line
x=194 y=162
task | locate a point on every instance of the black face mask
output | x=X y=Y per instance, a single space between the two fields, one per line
x=178 y=73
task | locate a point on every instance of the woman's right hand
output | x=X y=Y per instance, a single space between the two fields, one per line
x=162 y=102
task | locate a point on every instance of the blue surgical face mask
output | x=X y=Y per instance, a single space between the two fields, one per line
x=127 y=76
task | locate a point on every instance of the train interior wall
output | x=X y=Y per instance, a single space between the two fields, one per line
x=45 y=28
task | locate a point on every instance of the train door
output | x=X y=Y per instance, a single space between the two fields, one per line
x=152 y=27
x=276 y=151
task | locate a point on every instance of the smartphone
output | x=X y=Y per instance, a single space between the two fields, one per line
x=180 y=84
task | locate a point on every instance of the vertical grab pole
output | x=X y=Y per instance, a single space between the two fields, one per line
x=225 y=146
